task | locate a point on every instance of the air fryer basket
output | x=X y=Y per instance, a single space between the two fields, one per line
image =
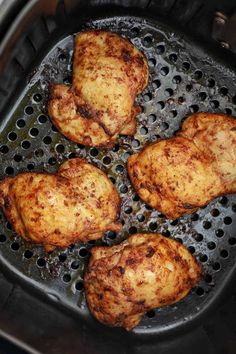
x=183 y=79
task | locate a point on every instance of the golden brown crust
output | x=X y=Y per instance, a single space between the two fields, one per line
x=108 y=73
x=143 y=272
x=178 y=175
x=78 y=203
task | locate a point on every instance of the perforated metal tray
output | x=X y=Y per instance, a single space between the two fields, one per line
x=183 y=79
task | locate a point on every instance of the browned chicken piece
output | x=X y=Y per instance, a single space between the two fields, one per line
x=78 y=203
x=108 y=73
x=144 y=272
x=178 y=175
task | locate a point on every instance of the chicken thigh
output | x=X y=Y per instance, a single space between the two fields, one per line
x=178 y=175
x=108 y=73
x=78 y=203
x=144 y=272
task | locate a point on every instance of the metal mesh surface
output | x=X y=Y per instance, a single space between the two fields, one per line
x=183 y=79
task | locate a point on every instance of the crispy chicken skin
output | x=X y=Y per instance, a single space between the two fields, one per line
x=178 y=175
x=144 y=272
x=108 y=73
x=78 y=203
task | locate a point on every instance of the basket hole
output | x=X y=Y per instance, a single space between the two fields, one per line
x=195 y=217
x=211 y=245
x=169 y=92
x=153 y=226
x=216 y=266
x=106 y=160
x=199 y=291
x=42 y=119
x=116 y=148
x=194 y=108
x=66 y=278
x=39 y=153
x=41 y=262
x=147 y=40
x=15 y=246
x=8 y=225
x=93 y=152
x=224 y=254
x=202 y=96
x=174 y=222
x=152 y=62
x=147 y=97
x=52 y=161
x=232 y=241
x=189 y=87
x=4 y=149
x=20 y=123
x=173 y=113
x=227 y=220
x=198 y=75
x=214 y=104
x=12 y=136
x=223 y=200
x=164 y=71
x=166 y=233
x=67 y=80
x=208 y=278
x=150 y=314
x=34 y=132
x=164 y=125
x=160 y=105
x=83 y=252
x=223 y=91
x=60 y=148
x=198 y=237
x=156 y=84
x=25 y=144
x=28 y=254
x=135 y=30
x=135 y=143
x=47 y=140
x=29 y=110
x=128 y=210
x=37 y=97
x=215 y=212
x=17 y=158
x=206 y=225
x=173 y=57
x=140 y=217
x=143 y=131
x=160 y=49
x=54 y=129
x=111 y=235
x=210 y=83
x=177 y=79
x=112 y=179
x=191 y=249
x=119 y=168
x=75 y=265
x=181 y=100
x=203 y=258
x=186 y=66
x=79 y=286
x=62 y=257
x=219 y=233
x=2 y=238
x=132 y=230
x=178 y=239
x=234 y=208
x=30 y=166
x=123 y=189
x=72 y=155
x=152 y=118
x=136 y=198
x=228 y=111
x=9 y=171
x=62 y=58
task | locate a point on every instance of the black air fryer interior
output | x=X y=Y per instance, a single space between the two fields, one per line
x=185 y=77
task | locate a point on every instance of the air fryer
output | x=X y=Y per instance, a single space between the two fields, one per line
x=190 y=51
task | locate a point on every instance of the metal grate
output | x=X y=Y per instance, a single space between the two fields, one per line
x=183 y=80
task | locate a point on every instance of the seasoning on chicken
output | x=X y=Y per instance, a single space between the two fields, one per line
x=78 y=203
x=178 y=175
x=144 y=272
x=108 y=73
